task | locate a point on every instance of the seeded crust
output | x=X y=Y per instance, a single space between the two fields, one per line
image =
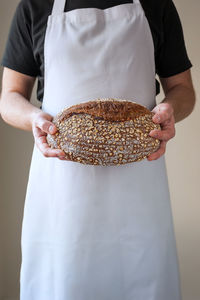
x=105 y=132
x=107 y=109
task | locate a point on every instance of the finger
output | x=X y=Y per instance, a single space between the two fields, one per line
x=37 y=132
x=49 y=152
x=163 y=135
x=163 y=112
x=46 y=126
x=161 y=117
x=41 y=142
x=159 y=152
x=63 y=158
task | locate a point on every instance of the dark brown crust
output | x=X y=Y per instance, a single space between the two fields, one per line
x=110 y=110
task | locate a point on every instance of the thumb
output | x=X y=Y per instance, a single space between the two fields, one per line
x=156 y=114
x=46 y=126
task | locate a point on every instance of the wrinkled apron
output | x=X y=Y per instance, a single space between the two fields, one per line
x=96 y=232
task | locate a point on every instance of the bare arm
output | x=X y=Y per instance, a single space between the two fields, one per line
x=17 y=111
x=15 y=108
x=178 y=103
x=179 y=92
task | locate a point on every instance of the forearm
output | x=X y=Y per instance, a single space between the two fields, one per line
x=182 y=100
x=17 y=111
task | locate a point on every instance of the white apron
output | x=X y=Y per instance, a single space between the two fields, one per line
x=96 y=232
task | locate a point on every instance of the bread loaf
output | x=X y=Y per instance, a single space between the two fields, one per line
x=105 y=132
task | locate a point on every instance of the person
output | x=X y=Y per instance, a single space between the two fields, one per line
x=96 y=232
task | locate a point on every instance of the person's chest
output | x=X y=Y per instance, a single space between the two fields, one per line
x=41 y=10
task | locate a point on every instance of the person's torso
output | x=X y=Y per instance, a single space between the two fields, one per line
x=40 y=10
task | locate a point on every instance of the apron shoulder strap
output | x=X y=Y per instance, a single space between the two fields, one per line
x=58 y=7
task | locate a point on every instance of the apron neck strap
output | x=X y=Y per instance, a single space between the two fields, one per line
x=58 y=7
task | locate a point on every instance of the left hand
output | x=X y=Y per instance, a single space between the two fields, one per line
x=164 y=115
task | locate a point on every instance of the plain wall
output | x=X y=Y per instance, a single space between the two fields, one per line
x=183 y=167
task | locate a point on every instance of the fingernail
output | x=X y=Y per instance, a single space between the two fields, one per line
x=152 y=133
x=51 y=129
x=158 y=118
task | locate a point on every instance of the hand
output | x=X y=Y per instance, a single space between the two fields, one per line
x=41 y=125
x=164 y=114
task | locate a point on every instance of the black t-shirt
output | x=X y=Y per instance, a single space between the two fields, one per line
x=24 y=51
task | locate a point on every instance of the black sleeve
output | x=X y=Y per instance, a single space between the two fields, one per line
x=18 y=53
x=172 y=56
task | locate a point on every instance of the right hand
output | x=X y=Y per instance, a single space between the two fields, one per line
x=41 y=125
